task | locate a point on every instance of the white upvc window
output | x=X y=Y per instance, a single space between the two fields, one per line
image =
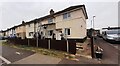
x=67 y=31
x=50 y=20
x=66 y=15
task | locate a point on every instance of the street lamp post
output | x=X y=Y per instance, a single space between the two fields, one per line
x=92 y=46
x=92 y=40
x=93 y=22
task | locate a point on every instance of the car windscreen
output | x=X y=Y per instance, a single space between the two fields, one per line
x=113 y=32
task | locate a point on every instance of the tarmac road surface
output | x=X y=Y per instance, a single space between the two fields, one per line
x=13 y=54
x=110 y=53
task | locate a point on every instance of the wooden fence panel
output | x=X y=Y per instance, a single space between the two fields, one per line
x=58 y=45
x=32 y=42
x=43 y=43
x=72 y=46
x=25 y=41
x=54 y=44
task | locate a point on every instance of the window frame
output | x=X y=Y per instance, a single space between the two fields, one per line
x=67 y=31
x=66 y=15
x=50 y=20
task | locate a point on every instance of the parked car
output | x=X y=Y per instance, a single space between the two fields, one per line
x=111 y=35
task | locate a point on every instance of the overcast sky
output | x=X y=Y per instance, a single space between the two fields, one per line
x=14 y=12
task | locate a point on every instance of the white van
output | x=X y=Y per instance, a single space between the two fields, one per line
x=113 y=35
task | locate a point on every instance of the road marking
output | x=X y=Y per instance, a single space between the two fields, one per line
x=18 y=53
x=8 y=62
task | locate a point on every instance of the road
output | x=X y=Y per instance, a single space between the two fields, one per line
x=110 y=53
x=10 y=55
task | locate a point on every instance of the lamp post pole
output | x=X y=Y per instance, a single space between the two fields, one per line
x=92 y=48
x=92 y=40
x=93 y=22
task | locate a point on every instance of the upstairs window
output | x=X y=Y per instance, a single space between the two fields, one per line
x=50 y=20
x=66 y=15
x=67 y=31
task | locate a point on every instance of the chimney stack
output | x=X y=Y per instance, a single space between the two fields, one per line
x=23 y=22
x=51 y=12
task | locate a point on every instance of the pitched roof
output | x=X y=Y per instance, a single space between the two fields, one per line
x=68 y=9
x=32 y=21
x=59 y=12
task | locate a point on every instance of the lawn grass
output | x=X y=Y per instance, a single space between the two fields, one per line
x=43 y=51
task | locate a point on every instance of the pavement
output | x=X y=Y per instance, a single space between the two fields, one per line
x=44 y=59
x=82 y=60
x=38 y=59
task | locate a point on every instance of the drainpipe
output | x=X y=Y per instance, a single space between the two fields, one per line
x=67 y=46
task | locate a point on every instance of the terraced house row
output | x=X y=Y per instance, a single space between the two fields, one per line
x=69 y=23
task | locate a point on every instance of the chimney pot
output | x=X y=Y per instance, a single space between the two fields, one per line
x=23 y=22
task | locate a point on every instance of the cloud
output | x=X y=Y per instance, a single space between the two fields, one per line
x=14 y=12
x=59 y=1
